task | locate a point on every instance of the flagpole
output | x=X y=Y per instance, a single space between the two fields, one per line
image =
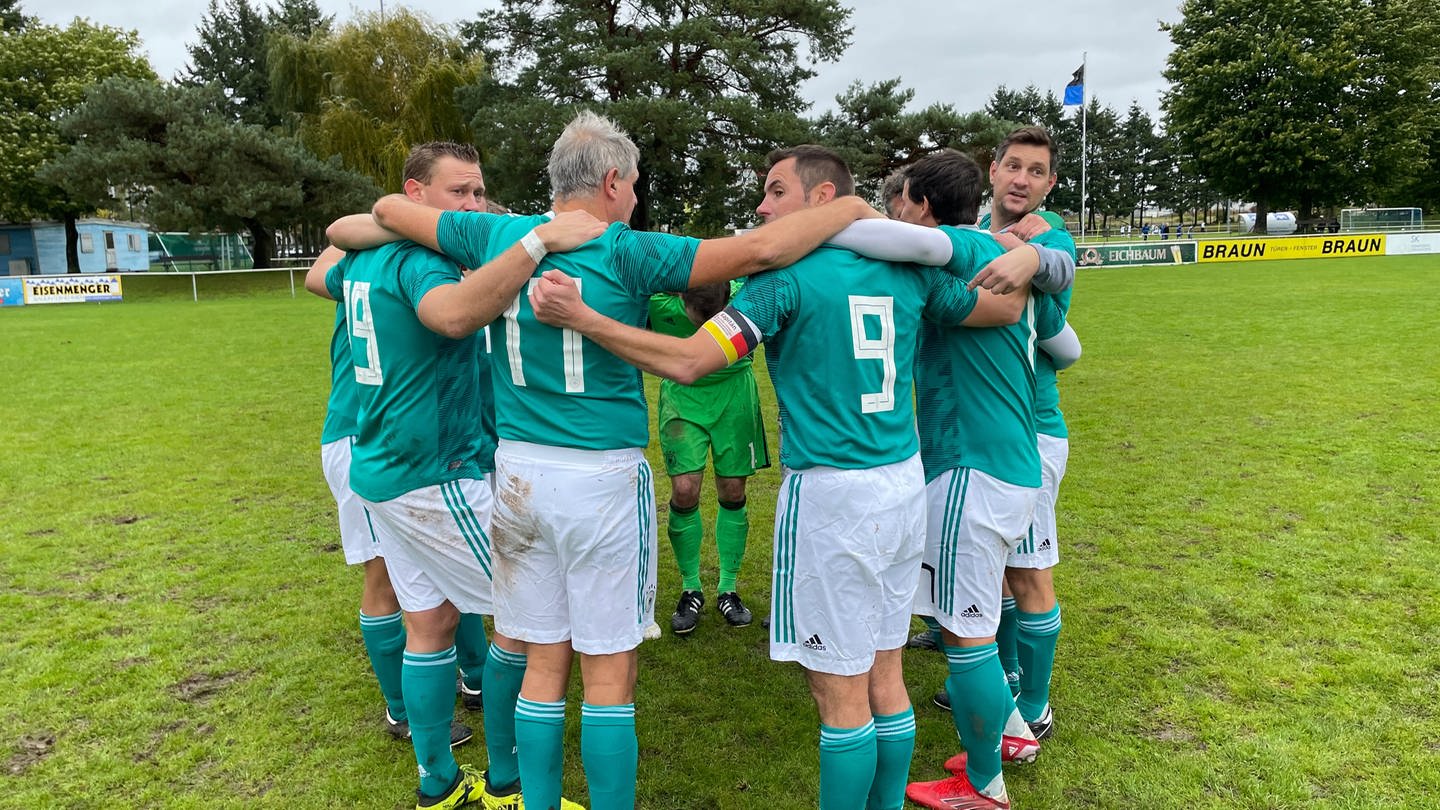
x=1084 y=147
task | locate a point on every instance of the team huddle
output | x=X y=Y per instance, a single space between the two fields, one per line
x=485 y=443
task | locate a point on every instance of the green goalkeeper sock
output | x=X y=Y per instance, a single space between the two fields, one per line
x=732 y=528
x=685 y=532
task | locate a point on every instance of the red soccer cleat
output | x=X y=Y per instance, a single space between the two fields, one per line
x=955 y=793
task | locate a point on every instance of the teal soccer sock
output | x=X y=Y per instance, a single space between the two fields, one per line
x=979 y=705
x=1038 y=634
x=894 y=746
x=540 y=738
x=1005 y=640
x=504 y=670
x=610 y=752
x=429 y=684
x=384 y=638
x=470 y=648
x=847 y=766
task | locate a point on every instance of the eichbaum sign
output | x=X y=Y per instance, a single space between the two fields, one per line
x=1134 y=254
x=71 y=289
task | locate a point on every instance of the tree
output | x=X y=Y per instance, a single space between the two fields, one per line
x=234 y=39
x=875 y=135
x=1402 y=59
x=44 y=73
x=1268 y=99
x=371 y=90
x=1139 y=149
x=164 y=148
x=704 y=87
x=11 y=18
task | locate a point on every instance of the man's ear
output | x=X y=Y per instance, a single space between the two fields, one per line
x=612 y=179
x=413 y=188
x=823 y=193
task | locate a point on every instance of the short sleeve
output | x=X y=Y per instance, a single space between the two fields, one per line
x=649 y=263
x=947 y=301
x=423 y=270
x=335 y=278
x=465 y=235
x=768 y=299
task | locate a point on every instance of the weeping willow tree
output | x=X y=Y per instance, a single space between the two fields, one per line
x=370 y=90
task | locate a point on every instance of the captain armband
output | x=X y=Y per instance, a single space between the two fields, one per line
x=733 y=333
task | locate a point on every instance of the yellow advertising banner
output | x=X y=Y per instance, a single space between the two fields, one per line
x=71 y=289
x=1294 y=247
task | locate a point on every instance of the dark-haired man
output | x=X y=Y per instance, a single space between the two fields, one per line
x=840 y=343
x=975 y=404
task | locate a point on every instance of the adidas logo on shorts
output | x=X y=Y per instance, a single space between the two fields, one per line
x=814 y=643
x=1045 y=544
x=972 y=612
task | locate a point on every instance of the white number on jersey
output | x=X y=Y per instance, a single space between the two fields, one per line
x=570 y=340
x=881 y=348
x=362 y=327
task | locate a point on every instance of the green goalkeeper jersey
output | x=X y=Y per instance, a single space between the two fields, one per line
x=419 y=406
x=840 y=336
x=553 y=386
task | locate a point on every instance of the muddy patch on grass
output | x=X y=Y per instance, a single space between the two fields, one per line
x=201 y=686
x=29 y=751
x=40 y=532
x=126 y=520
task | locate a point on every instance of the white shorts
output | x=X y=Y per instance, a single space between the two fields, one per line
x=1040 y=549
x=358 y=537
x=437 y=545
x=974 y=522
x=847 y=558
x=575 y=544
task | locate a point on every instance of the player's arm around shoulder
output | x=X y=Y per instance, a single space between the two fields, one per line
x=462 y=308
x=557 y=302
x=776 y=244
x=315 y=276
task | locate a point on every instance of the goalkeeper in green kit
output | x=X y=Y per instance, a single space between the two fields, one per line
x=717 y=417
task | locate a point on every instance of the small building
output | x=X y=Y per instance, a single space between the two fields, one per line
x=106 y=246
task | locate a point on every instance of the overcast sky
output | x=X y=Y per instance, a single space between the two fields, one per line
x=951 y=52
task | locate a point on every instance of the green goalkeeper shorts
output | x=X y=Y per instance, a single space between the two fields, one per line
x=720 y=420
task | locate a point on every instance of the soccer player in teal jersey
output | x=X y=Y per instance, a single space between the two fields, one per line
x=415 y=463
x=574 y=531
x=840 y=333
x=716 y=420
x=1021 y=175
x=445 y=176
x=975 y=391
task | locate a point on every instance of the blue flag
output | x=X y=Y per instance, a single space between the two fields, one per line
x=1075 y=90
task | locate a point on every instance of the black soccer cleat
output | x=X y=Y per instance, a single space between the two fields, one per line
x=734 y=611
x=1043 y=727
x=924 y=640
x=400 y=730
x=942 y=699
x=471 y=699
x=687 y=612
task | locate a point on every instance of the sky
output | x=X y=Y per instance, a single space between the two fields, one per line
x=946 y=51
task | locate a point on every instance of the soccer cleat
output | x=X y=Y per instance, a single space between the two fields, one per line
x=954 y=793
x=687 y=612
x=511 y=798
x=734 y=611
x=465 y=789
x=469 y=698
x=1045 y=725
x=923 y=640
x=400 y=730
x=942 y=699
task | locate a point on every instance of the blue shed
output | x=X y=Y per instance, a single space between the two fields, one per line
x=106 y=246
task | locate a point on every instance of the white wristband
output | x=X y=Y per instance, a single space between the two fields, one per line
x=534 y=245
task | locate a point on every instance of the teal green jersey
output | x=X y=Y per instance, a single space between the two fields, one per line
x=341 y=407
x=840 y=334
x=553 y=386
x=668 y=317
x=488 y=436
x=1050 y=312
x=418 y=392
x=975 y=388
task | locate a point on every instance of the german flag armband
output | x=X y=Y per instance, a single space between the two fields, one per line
x=733 y=332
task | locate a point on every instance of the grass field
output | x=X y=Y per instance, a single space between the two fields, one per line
x=1248 y=526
